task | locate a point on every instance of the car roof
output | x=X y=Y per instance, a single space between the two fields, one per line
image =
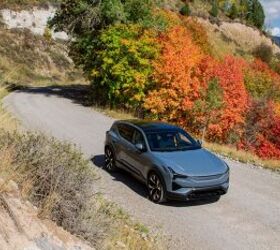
x=150 y=126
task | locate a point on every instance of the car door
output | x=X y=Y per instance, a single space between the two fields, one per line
x=127 y=148
x=138 y=158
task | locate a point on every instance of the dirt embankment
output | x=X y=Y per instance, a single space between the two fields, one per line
x=22 y=229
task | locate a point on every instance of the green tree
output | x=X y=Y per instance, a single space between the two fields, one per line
x=256 y=15
x=113 y=44
x=215 y=8
x=233 y=11
x=210 y=104
x=123 y=64
x=82 y=17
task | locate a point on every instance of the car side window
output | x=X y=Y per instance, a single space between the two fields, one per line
x=182 y=140
x=126 y=132
x=138 y=138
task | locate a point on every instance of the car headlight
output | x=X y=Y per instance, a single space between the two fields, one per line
x=176 y=175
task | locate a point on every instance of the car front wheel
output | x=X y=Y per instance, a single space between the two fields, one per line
x=156 y=188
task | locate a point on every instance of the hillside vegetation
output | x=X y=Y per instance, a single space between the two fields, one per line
x=27 y=59
x=53 y=175
x=140 y=55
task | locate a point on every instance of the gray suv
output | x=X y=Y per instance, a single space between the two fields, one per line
x=167 y=159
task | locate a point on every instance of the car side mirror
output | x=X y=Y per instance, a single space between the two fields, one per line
x=140 y=147
x=199 y=142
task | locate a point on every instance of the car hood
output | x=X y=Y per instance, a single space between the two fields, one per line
x=199 y=162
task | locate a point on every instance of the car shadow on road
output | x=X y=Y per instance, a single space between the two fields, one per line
x=140 y=189
x=80 y=94
x=121 y=176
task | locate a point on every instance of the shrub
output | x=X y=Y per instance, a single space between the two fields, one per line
x=209 y=105
x=262 y=82
x=262 y=130
x=56 y=178
x=54 y=175
x=263 y=52
x=261 y=85
x=185 y=10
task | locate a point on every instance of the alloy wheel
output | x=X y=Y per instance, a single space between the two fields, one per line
x=156 y=191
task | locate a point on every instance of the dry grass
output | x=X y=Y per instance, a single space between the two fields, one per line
x=28 y=59
x=120 y=114
x=56 y=178
x=59 y=181
x=129 y=235
x=235 y=38
x=242 y=156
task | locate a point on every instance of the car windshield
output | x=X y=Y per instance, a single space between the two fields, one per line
x=171 y=141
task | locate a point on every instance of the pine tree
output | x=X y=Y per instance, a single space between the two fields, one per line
x=256 y=14
x=215 y=9
x=185 y=10
x=233 y=11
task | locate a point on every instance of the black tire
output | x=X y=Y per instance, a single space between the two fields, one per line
x=110 y=162
x=156 y=188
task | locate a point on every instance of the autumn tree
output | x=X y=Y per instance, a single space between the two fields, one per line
x=123 y=66
x=176 y=84
x=229 y=127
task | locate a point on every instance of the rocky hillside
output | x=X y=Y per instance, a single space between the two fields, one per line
x=30 y=53
x=235 y=38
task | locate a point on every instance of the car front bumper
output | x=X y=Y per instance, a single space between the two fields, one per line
x=198 y=193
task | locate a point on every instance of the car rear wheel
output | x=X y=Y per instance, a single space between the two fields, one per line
x=110 y=164
x=156 y=188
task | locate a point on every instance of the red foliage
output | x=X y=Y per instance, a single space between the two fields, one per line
x=182 y=72
x=267 y=150
x=232 y=117
x=182 y=75
x=262 y=131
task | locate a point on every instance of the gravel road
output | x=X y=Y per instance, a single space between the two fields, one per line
x=248 y=217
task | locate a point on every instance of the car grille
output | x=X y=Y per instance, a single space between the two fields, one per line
x=207 y=178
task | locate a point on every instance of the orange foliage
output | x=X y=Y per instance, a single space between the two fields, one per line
x=171 y=17
x=198 y=32
x=182 y=76
x=182 y=72
x=177 y=85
